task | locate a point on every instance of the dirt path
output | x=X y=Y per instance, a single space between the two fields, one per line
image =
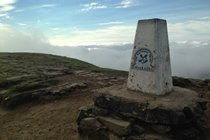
x=54 y=121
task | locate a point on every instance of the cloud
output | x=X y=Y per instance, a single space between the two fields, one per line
x=6 y=8
x=12 y=39
x=205 y=18
x=55 y=29
x=189 y=30
x=37 y=7
x=22 y=24
x=105 y=36
x=188 y=58
x=3 y=15
x=7 y=2
x=110 y=23
x=127 y=3
x=4 y=27
x=92 y=6
x=118 y=33
x=46 y=6
x=19 y=10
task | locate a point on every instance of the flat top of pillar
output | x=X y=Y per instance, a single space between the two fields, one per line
x=176 y=100
x=152 y=20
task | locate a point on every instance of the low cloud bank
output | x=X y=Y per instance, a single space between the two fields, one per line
x=188 y=59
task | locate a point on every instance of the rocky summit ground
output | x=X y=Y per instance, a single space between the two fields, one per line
x=40 y=94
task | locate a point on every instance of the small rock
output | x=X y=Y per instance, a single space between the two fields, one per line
x=119 y=127
x=188 y=133
x=113 y=137
x=156 y=137
x=161 y=129
x=84 y=111
x=88 y=126
x=140 y=137
x=138 y=129
x=27 y=125
x=100 y=111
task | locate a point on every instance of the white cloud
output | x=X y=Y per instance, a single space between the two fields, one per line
x=19 y=10
x=189 y=30
x=22 y=24
x=205 y=18
x=55 y=29
x=110 y=23
x=127 y=3
x=7 y=2
x=12 y=39
x=37 y=7
x=6 y=8
x=188 y=58
x=121 y=34
x=105 y=36
x=92 y=6
x=4 y=27
x=46 y=6
x=3 y=15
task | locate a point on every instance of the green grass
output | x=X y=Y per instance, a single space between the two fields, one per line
x=23 y=73
x=17 y=64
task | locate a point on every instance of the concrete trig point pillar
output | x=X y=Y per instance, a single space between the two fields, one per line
x=150 y=70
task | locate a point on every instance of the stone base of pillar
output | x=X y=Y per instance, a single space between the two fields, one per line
x=121 y=114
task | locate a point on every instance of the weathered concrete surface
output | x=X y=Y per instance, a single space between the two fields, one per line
x=150 y=70
x=179 y=107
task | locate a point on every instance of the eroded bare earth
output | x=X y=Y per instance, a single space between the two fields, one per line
x=55 y=119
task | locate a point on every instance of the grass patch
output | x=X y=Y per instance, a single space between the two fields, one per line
x=13 y=100
x=23 y=92
x=182 y=82
x=110 y=71
x=33 y=85
x=23 y=73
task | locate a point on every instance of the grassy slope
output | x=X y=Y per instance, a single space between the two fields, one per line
x=18 y=64
x=23 y=73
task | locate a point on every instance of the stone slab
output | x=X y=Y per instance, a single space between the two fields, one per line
x=181 y=106
x=118 y=126
x=89 y=125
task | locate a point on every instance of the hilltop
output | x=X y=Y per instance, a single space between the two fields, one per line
x=45 y=91
x=25 y=77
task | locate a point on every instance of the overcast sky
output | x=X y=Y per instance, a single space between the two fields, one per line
x=102 y=31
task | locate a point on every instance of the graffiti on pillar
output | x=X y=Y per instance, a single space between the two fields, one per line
x=143 y=60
